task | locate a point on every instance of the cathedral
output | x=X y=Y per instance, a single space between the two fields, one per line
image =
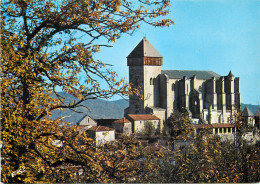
x=208 y=97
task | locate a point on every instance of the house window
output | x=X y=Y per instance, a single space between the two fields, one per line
x=225 y=130
x=229 y=130
x=216 y=130
x=220 y=130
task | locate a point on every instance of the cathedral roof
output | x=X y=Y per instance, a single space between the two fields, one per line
x=179 y=74
x=144 y=49
x=247 y=112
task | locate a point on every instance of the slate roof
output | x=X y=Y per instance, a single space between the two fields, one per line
x=100 y=128
x=144 y=49
x=178 y=74
x=122 y=120
x=247 y=112
x=143 y=117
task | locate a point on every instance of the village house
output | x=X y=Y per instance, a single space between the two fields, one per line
x=101 y=134
x=248 y=116
x=123 y=125
x=87 y=121
x=135 y=123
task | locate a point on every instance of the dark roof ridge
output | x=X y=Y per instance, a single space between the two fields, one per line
x=200 y=74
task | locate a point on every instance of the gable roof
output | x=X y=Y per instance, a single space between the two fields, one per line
x=83 y=120
x=144 y=49
x=178 y=74
x=122 y=120
x=143 y=117
x=100 y=129
x=247 y=112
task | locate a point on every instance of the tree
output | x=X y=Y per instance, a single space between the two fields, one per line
x=205 y=161
x=49 y=46
x=179 y=124
x=148 y=130
x=124 y=160
x=210 y=160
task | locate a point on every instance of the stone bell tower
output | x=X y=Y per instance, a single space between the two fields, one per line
x=144 y=69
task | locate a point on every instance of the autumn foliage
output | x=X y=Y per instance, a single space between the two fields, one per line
x=48 y=46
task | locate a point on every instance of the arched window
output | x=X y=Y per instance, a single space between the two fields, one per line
x=151 y=81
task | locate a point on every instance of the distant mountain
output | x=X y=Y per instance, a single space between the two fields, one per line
x=97 y=109
x=104 y=109
x=252 y=108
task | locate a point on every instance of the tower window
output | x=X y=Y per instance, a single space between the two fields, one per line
x=151 y=81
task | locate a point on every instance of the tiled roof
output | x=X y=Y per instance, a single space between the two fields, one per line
x=179 y=74
x=144 y=49
x=143 y=117
x=79 y=127
x=219 y=125
x=247 y=112
x=100 y=129
x=202 y=126
x=122 y=120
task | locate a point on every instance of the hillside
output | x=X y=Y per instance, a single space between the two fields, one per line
x=97 y=109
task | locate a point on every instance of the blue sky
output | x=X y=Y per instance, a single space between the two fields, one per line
x=217 y=35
